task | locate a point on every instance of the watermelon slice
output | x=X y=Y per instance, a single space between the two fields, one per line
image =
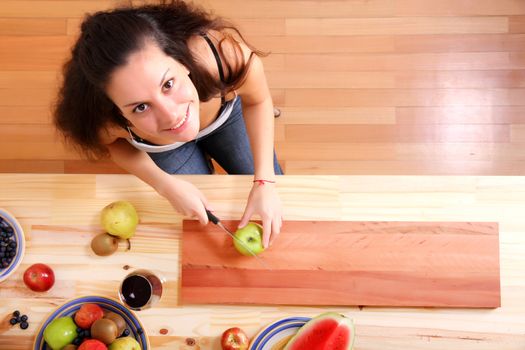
x=328 y=331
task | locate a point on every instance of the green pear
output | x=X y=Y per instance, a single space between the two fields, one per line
x=120 y=219
x=60 y=332
x=125 y=343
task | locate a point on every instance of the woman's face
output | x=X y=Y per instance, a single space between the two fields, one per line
x=154 y=92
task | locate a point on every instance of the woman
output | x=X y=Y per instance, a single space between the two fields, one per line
x=160 y=89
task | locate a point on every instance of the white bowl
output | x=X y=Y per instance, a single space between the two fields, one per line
x=5 y=272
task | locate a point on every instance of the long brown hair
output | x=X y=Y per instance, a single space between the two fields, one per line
x=108 y=38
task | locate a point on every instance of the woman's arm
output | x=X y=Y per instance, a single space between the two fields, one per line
x=182 y=195
x=258 y=115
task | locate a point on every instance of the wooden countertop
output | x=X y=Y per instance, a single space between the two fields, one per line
x=60 y=215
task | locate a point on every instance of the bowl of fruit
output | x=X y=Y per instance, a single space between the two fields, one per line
x=12 y=244
x=92 y=322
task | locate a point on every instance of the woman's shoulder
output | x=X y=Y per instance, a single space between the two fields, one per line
x=229 y=49
x=111 y=133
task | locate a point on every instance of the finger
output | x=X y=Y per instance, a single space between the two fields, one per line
x=267 y=230
x=201 y=214
x=245 y=218
x=276 y=229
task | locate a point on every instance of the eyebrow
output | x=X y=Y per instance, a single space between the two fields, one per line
x=161 y=81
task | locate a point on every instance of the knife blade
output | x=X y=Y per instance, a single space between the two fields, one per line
x=214 y=219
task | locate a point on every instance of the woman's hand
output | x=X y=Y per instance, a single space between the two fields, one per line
x=185 y=198
x=264 y=201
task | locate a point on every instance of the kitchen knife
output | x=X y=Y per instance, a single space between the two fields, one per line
x=218 y=222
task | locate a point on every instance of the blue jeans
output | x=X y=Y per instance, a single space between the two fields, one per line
x=228 y=145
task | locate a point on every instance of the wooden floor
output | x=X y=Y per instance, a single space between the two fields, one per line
x=365 y=86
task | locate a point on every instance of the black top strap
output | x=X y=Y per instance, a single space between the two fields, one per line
x=219 y=64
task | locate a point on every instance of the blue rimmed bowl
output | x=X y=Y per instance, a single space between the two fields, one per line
x=69 y=308
x=18 y=237
x=276 y=335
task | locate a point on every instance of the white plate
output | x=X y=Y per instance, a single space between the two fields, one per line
x=275 y=335
x=20 y=245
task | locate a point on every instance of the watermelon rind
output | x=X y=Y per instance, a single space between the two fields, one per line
x=340 y=319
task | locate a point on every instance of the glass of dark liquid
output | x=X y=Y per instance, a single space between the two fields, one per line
x=141 y=289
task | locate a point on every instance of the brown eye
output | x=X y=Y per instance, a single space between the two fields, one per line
x=168 y=85
x=140 y=108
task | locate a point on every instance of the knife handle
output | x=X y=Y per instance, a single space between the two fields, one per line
x=212 y=217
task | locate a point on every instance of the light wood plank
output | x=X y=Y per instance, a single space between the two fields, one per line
x=32 y=26
x=301 y=8
x=22 y=115
x=338 y=116
x=460 y=43
x=48 y=55
x=402 y=151
x=52 y=8
x=400 y=79
x=517 y=24
x=397 y=25
x=32 y=166
x=349 y=80
x=412 y=167
x=19 y=97
x=459 y=8
x=461 y=115
x=29 y=79
x=460 y=79
x=517 y=134
x=36 y=150
x=403 y=97
x=387 y=62
x=323 y=44
x=400 y=133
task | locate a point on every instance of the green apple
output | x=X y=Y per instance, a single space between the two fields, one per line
x=60 y=332
x=125 y=343
x=251 y=236
x=120 y=219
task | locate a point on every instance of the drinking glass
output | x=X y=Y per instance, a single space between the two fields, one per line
x=141 y=289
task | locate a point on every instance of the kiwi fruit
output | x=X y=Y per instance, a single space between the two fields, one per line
x=119 y=321
x=104 y=330
x=104 y=244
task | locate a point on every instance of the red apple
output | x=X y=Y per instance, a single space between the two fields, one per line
x=234 y=339
x=39 y=277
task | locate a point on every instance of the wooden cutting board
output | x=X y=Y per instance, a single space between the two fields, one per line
x=434 y=264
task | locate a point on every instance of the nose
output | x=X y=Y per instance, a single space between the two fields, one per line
x=168 y=111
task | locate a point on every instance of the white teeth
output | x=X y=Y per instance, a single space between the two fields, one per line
x=181 y=122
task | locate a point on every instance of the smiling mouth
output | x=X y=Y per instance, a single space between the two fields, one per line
x=182 y=121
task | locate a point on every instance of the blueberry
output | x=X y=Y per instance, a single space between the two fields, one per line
x=126 y=332
x=12 y=244
x=5 y=264
x=79 y=330
x=12 y=254
x=13 y=321
x=16 y=313
x=24 y=325
x=23 y=318
x=77 y=341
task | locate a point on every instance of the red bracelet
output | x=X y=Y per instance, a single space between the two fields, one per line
x=262 y=182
